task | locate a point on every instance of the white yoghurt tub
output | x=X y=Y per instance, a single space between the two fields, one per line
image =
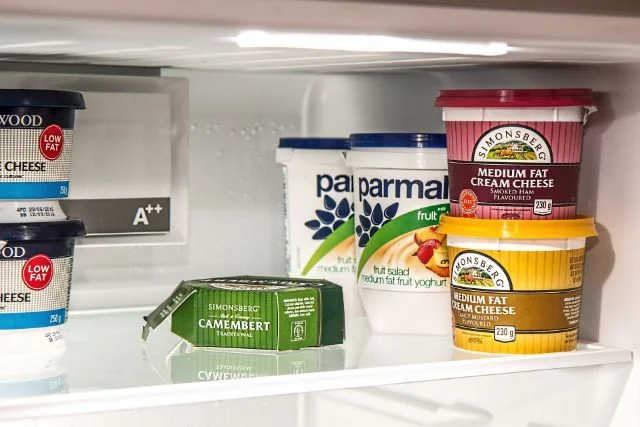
x=318 y=188
x=401 y=188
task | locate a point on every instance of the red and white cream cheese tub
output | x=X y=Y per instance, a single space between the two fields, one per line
x=514 y=154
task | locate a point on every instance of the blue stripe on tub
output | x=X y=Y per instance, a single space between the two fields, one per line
x=34 y=190
x=37 y=319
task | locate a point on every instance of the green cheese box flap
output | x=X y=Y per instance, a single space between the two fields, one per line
x=268 y=313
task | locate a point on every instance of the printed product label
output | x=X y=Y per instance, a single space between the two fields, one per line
x=35 y=153
x=319 y=218
x=239 y=318
x=268 y=313
x=523 y=170
x=516 y=301
x=35 y=283
x=397 y=213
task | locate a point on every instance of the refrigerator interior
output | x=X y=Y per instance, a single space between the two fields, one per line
x=227 y=107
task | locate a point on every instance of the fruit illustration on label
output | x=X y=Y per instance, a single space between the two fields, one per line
x=432 y=250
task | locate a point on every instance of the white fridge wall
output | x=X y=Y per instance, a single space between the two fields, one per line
x=235 y=211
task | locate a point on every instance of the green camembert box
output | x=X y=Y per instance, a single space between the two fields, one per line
x=266 y=313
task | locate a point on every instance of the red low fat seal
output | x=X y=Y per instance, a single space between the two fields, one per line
x=37 y=272
x=51 y=142
x=468 y=203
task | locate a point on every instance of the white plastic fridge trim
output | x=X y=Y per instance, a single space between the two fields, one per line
x=352 y=16
x=193 y=393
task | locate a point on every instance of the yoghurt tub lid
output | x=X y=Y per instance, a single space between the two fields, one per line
x=52 y=230
x=398 y=140
x=315 y=143
x=518 y=98
x=41 y=98
x=582 y=226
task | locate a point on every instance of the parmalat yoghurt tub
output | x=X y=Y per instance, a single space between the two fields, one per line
x=515 y=154
x=318 y=189
x=516 y=285
x=400 y=190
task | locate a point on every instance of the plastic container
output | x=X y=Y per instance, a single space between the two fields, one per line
x=400 y=190
x=35 y=273
x=36 y=137
x=318 y=189
x=515 y=154
x=516 y=285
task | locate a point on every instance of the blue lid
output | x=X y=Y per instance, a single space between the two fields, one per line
x=315 y=143
x=41 y=98
x=411 y=140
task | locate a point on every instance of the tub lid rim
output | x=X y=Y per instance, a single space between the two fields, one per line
x=315 y=143
x=518 y=98
x=41 y=98
x=52 y=230
x=582 y=226
x=398 y=140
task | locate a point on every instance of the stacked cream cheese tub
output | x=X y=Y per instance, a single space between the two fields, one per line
x=401 y=189
x=516 y=245
x=319 y=213
x=36 y=239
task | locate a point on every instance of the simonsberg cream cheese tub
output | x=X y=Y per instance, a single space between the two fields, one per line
x=36 y=136
x=319 y=213
x=515 y=154
x=400 y=190
x=516 y=285
x=35 y=269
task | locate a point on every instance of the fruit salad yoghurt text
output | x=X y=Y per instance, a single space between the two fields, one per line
x=401 y=189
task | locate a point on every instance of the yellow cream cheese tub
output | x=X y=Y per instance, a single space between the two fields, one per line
x=516 y=284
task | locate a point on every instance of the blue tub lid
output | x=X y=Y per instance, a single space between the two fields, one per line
x=395 y=140
x=52 y=230
x=41 y=98
x=315 y=143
